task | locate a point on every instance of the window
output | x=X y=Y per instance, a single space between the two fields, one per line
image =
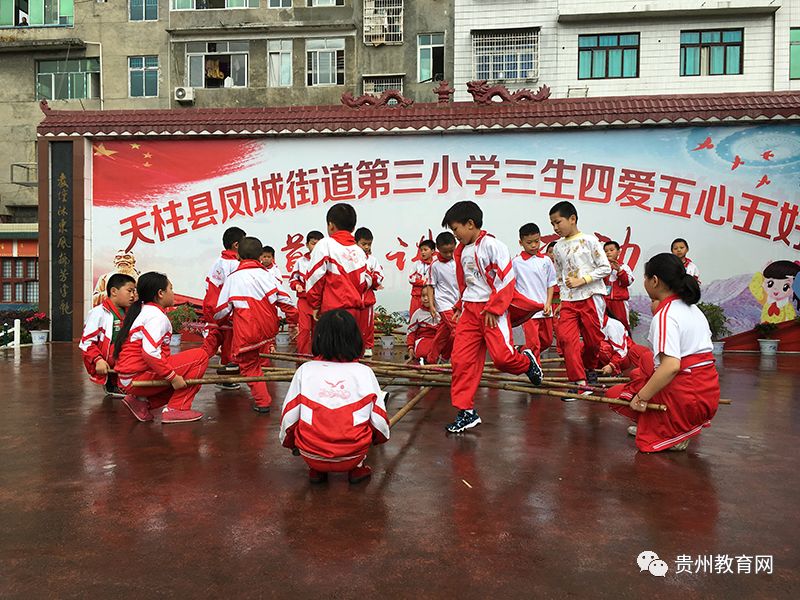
x=794 y=54
x=143 y=76
x=608 y=56
x=280 y=3
x=67 y=79
x=325 y=3
x=377 y=84
x=22 y=13
x=20 y=280
x=209 y=4
x=506 y=54
x=279 y=63
x=383 y=21
x=430 y=57
x=325 y=62
x=143 y=10
x=716 y=52
x=217 y=64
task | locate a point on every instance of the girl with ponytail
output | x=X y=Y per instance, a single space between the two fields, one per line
x=682 y=375
x=143 y=354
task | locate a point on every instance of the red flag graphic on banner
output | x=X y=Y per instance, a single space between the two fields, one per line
x=130 y=173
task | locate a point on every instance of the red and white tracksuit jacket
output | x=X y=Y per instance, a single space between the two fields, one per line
x=619 y=350
x=417 y=279
x=680 y=331
x=226 y=264
x=374 y=280
x=486 y=284
x=691 y=268
x=250 y=299
x=146 y=356
x=276 y=272
x=102 y=324
x=332 y=413
x=618 y=294
x=305 y=318
x=337 y=275
x=535 y=275
x=422 y=331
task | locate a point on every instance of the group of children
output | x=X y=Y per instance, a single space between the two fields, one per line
x=467 y=295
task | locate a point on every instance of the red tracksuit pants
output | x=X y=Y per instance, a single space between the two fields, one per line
x=189 y=364
x=442 y=344
x=620 y=311
x=472 y=339
x=581 y=318
x=692 y=399
x=416 y=301
x=366 y=324
x=305 y=326
x=250 y=364
x=538 y=334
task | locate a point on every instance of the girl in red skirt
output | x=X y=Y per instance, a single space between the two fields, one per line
x=143 y=354
x=683 y=375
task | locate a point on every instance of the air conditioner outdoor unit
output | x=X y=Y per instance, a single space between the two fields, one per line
x=184 y=94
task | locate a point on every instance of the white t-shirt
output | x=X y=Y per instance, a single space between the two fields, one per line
x=445 y=285
x=533 y=275
x=478 y=289
x=678 y=330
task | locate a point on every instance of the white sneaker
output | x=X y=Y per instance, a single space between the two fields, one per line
x=573 y=399
x=368 y=353
x=632 y=430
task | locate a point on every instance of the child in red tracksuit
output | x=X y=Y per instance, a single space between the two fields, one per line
x=142 y=353
x=617 y=284
x=420 y=274
x=422 y=331
x=334 y=409
x=535 y=279
x=337 y=275
x=618 y=352
x=486 y=282
x=683 y=376
x=297 y=282
x=249 y=300
x=101 y=328
x=581 y=265
x=374 y=275
x=226 y=264
x=443 y=295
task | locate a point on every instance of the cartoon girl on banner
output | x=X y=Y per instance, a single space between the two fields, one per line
x=776 y=290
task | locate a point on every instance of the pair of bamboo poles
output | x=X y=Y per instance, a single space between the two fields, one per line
x=427 y=377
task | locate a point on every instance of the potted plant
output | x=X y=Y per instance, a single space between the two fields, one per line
x=768 y=346
x=179 y=317
x=717 y=322
x=283 y=337
x=39 y=326
x=633 y=319
x=385 y=324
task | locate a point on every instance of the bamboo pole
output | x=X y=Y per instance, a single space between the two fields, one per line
x=408 y=406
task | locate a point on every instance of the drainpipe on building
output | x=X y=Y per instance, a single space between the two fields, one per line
x=102 y=76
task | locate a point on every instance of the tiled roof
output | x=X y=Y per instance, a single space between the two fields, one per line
x=622 y=111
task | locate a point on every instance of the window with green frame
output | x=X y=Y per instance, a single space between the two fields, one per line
x=68 y=79
x=717 y=52
x=608 y=56
x=37 y=13
x=143 y=76
x=794 y=53
x=143 y=10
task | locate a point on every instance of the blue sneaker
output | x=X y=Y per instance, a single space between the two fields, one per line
x=534 y=371
x=464 y=420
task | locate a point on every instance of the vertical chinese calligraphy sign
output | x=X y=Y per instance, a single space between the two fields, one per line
x=61 y=242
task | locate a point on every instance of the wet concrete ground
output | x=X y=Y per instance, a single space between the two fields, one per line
x=544 y=500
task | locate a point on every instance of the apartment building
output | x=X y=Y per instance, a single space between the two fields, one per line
x=622 y=47
x=149 y=54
